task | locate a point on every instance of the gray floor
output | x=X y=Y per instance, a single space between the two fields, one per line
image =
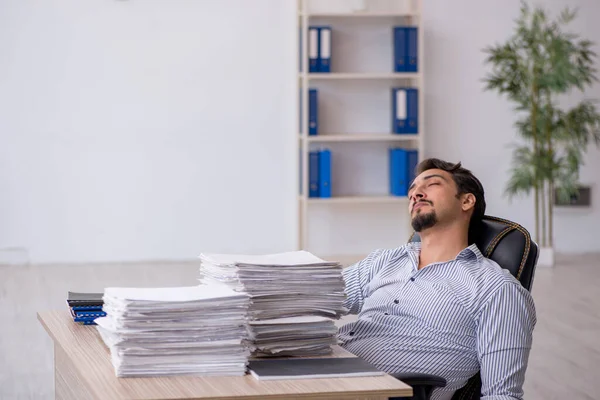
x=564 y=364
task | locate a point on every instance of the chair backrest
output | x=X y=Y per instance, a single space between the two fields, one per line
x=510 y=245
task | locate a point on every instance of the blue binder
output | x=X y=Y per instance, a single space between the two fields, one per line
x=300 y=54
x=399 y=117
x=300 y=174
x=301 y=110
x=313 y=49
x=325 y=173
x=313 y=112
x=412 y=47
x=83 y=314
x=400 y=49
x=412 y=110
x=398 y=172
x=313 y=174
x=86 y=308
x=324 y=49
x=405 y=110
x=413 y=161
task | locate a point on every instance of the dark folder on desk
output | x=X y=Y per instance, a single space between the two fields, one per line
x=75 y=299
x=311 y=368
x=85 y=307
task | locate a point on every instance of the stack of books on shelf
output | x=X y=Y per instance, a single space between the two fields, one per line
x=406 y=48
x=295 y=299
x=319 y=49
x=405 y=110
x=85 y=307
x=199 y=330
x=319 y=173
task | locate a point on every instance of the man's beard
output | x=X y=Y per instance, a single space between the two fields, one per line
x=424 y=221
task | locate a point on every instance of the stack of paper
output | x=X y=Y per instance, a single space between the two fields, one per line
x=200 y=330
x=295 y=298
x=294 y=336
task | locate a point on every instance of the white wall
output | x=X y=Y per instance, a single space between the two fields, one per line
x=146 y=129
x=130 y=129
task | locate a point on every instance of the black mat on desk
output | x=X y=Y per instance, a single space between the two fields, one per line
x=310 y=368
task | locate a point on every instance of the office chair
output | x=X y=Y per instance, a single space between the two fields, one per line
x=510 y=245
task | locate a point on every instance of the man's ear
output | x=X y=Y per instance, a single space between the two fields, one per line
x=468 y=201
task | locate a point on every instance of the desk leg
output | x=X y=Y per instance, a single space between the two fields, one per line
x=67 y=382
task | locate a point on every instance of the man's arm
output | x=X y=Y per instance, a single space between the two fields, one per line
x=356 y=278
x=504 y=337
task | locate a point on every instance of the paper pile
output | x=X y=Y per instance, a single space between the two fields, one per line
x=198 y=330
x=295 y=298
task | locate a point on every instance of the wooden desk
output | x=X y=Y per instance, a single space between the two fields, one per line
x=83 y=370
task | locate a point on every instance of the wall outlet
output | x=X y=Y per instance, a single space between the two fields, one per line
x=582 y=199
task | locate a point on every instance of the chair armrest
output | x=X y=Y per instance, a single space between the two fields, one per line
x=422 y=384
x=421 y=379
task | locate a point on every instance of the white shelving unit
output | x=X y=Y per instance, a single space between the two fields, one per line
x=359 y=200
x=389 y=13
x=358 y=137
x=360 y=76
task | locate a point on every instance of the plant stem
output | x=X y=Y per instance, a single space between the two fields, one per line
x=547 y=127
x=543 y=201
x=551 y=214
x=534 y=105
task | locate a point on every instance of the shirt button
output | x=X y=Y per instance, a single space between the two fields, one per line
x=396 y=301
x=412 y=279
x=351 y=333
x=386 y=313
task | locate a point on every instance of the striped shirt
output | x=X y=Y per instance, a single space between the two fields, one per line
x=450 y=319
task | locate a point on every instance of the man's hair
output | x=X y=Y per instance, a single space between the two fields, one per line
x=465 y=181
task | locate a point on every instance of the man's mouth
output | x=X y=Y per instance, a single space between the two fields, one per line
x=420 y=204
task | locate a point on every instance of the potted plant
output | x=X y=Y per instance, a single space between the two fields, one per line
x=534 y=68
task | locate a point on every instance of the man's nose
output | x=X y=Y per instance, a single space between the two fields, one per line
x=417 y=194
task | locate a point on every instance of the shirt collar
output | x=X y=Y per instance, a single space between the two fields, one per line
x=471 y=250
x=414 y=248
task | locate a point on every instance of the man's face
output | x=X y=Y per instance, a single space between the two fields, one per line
x=432 y=199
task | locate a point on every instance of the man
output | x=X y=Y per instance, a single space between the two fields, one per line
x=440 y=307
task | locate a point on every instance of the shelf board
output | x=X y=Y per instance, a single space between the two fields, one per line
x=361 y=137
x=361 y=75
x=358 y=200
x=363 y=14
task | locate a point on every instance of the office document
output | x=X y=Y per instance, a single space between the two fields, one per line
x=197 y=330
x=295 y=298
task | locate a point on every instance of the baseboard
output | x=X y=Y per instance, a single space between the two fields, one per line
x=587 y=258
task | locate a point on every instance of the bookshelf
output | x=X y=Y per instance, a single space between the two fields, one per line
x=359 y=200
x=360 y=77
x=358 y=137
x=359 y=14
